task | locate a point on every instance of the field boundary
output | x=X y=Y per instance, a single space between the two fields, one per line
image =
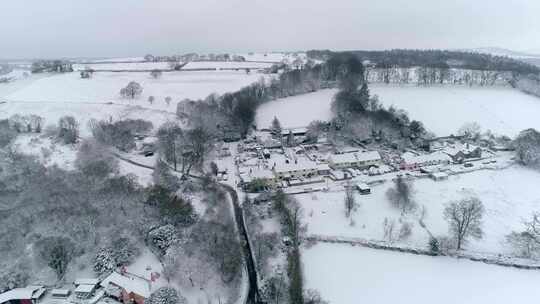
x=499 y=260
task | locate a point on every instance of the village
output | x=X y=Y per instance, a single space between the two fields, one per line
x=288 y=161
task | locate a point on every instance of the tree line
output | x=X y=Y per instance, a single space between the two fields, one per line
x=436 y=59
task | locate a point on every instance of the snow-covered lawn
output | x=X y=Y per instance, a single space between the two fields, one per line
x=445 y=109
x=296 y=111
x=348 y=275
x=509 y=196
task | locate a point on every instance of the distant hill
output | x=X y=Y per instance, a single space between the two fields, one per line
x=496 y=51
x=532 y=57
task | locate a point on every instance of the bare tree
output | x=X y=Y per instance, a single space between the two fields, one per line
x=470 y=130
x=151 y=99
x=401 y=195
x=68 y=129
x=132 y=90
x=349 y=200
x=155 y=73
x=464 y=219
x=527 y=243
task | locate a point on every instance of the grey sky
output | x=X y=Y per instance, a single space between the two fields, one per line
x=77 y=28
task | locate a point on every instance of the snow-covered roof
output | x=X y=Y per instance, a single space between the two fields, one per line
x=257 y=173
x=294 y=131
x=299 y=164
x=60 y=292
x=17 y=294
x=439 y=174
x=411 y=158
x=343 y=158
x=85 y=288
x=455 y=149
x=129 y=284
x=86 y=282
x=355 y=157
x=362 y=186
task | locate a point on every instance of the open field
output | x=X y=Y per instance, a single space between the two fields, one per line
x=296 y=111
x=54 y=95
x=443 y=110
x=346 y=275
x=226 y=65
x=507 y=204
x=122 y=66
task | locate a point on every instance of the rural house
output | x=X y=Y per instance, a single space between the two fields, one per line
x=126 y=288
x=411 y=161
x=359 y=160
x=27 y=295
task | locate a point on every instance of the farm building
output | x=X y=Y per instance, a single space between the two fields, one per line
x=358 y=160
x=126 y=288
x=84 y=288
x=411 y=161
x=27 y=295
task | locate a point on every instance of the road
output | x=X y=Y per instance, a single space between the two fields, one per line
x=253 y=293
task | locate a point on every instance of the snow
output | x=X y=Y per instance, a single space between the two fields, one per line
x=145 y=66
x=16 y=294
x=226 y=65
x=55 y=95
x=130 y=284
x=444 y=109
x=296 y=111
x=509 y=196
x=345 y=274
x=47 y=150
x=105 y=86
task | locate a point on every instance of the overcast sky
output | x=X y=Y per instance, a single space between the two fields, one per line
x=100 y=28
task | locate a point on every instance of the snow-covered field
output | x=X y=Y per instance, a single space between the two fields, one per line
x=509 y=196
x=296 y=111
x=348 y=275
x=443 y=110
x=123 y=66
x=53 y=96
x=226 y=65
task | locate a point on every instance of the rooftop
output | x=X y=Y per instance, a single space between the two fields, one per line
x=85 y=288
x=86 y=281
x=26 y=293
x=129 y=284
x=355 y=157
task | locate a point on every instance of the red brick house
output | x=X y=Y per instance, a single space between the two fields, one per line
x=127 y=288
